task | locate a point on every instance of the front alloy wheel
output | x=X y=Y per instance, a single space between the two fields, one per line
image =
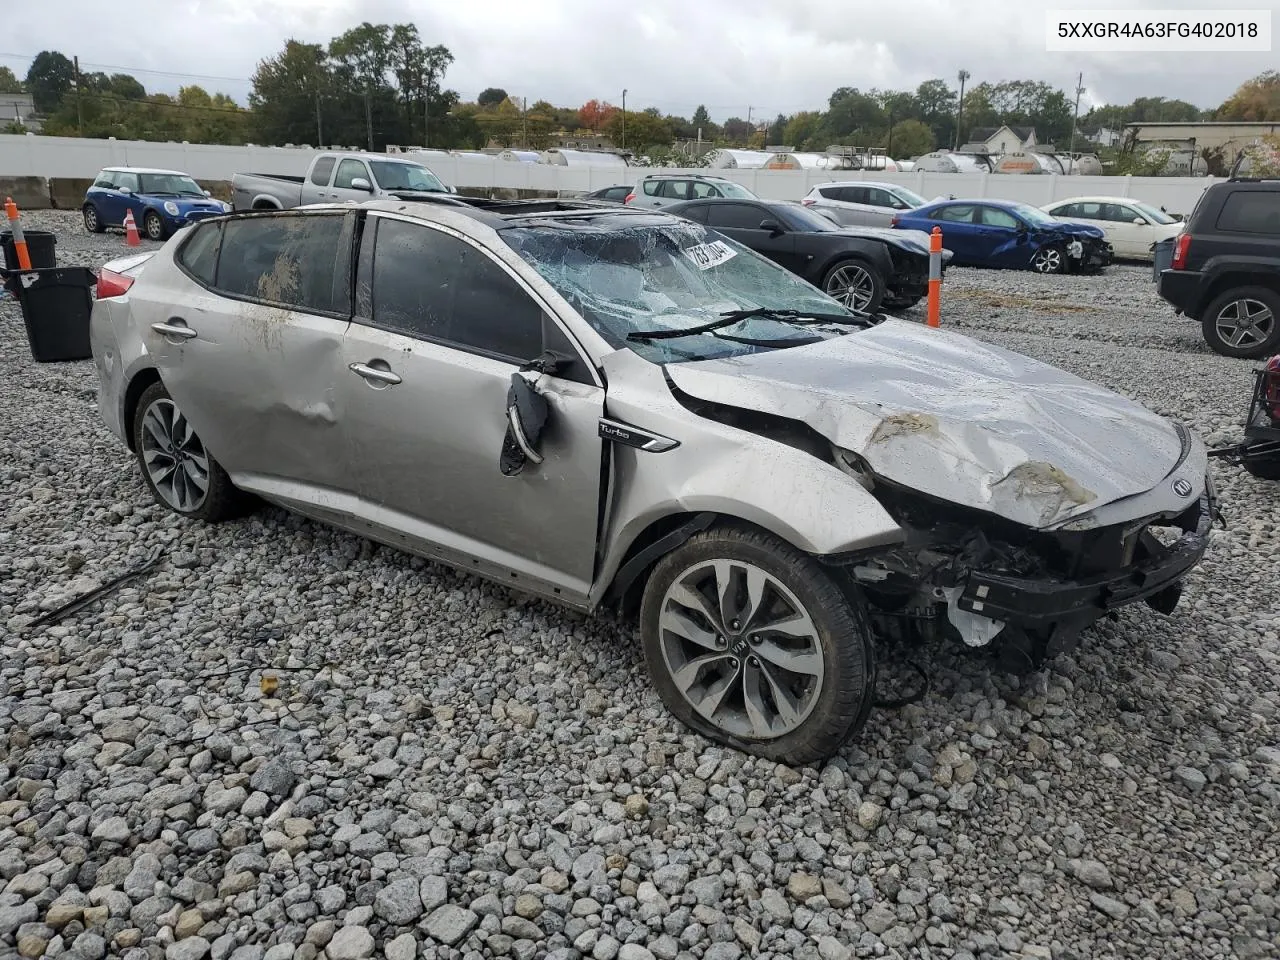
x=153 y=225
x=856 y=286
x=1048 y=260
x=753 y=644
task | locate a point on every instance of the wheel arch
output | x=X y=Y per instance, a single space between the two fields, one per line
x=132 y=394
x=1227 y=280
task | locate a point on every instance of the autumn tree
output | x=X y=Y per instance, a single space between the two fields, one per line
x=594 y=115
x=1256 y=100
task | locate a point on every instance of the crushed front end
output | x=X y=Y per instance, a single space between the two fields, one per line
x=1088 y=254
x=1024 y=593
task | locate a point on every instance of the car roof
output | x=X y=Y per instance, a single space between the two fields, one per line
x=1094 y=200
x=176 y=173
x=683 y=176
x=984 y=201
x=861 y=183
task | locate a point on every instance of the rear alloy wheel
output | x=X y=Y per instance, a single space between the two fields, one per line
x=856 y=285
x=178 y=470
x=91 y=221
x=751 y=643
x=153 y=225
x=1243 y=323
x=1049 y=260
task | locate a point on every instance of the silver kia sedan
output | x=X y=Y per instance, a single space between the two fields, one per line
x=618 y=408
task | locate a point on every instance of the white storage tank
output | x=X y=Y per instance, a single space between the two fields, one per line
x=797 y=161
x=944 y=161
x=1082 y=164
x=1027 y=162
x=738 y=159
x=519 y=156
x=582 y=158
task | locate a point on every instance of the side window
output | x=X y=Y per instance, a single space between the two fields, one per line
x=126 y=181
x=1089 y=211
x=1066 y=210
x=955 y=214
x=698 y=212
x=853 y=194
x=429 y=284
x=199 y=253
x=651 y=188
x=735 y=216
x=320 y=172
x=1251 y=211
x=830 y=193
x=105 y=180
x=301 y=261
x=675 y=189
x=994 y=217
x=878 y=197
x=702 y=189
x=1119 y=213
x=617 y=193
x=349 y=170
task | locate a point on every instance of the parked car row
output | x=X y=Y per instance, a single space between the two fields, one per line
x=624 y=408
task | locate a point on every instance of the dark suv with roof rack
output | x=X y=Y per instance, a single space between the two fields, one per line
x=1226 y=267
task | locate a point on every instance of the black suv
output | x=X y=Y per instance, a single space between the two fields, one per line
x=1226 y=267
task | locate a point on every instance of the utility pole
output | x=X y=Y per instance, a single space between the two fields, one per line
x=524 y=122
x=889 y=147
x=623 y=144
x=426 y=111
x=1074 y=118
x=962 y=77
x=79 y=116
x=368 y=115
x=319 y=126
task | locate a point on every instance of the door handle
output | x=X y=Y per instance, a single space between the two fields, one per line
x=174 y=327
x=374 y=373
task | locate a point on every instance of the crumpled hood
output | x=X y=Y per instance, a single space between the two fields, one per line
x=956 y=419
x=1077 y=229
x=916 y=241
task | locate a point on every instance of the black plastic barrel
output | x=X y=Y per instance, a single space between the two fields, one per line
x=40 y=248
x=1163 y=258
x=56 y=304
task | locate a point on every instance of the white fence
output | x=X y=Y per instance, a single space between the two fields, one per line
x=58 y=157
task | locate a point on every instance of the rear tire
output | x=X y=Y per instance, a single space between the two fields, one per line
x=856 y=284
x=179 y=472
x=1243 y=323
x=719 y=666
x=1264 y=469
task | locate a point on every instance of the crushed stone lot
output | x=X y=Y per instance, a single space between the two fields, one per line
x=451 y=770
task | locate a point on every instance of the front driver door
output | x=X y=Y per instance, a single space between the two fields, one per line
x=741 y=222
x=440 y=328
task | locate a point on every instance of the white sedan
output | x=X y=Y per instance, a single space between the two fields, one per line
x=1132 y=227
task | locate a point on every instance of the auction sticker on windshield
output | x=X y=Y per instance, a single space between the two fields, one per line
x=708 y=255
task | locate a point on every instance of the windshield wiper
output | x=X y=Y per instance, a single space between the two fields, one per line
x=797 y=317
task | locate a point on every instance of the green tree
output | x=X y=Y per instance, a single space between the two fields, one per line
x=288 y=91
x=736 y=131
x=701 y=120
x=936 y=105
x=491 y=97
x=853 y=116
x=50 y=78
x=643 y=130
x=8 y=82
x=909 y=138
x=777 y=130
x=802 y=130
x=1256 y=100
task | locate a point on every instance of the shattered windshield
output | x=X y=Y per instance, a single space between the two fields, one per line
x=670 y=276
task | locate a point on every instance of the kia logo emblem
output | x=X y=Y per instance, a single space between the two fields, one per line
x=1182 y=487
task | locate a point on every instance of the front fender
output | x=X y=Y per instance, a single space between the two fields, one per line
x=721 y=469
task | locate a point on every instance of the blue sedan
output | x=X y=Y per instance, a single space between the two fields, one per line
x=1012 y=236
x=162 y=201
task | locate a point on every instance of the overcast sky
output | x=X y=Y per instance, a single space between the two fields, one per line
x=774 y=56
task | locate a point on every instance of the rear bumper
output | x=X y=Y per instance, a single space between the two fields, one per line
x=1041 y=604
x=1182 y=289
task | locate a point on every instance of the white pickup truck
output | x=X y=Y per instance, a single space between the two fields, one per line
x=334 y=177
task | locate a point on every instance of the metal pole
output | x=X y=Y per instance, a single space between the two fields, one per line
x=426 y=112
x=79 y=118
x=623 y=145
x=319 y=126
x=962 y=76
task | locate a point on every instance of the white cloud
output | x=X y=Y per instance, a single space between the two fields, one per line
x=769 y=56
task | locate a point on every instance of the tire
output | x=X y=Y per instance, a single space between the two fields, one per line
x=1268 y=469
x=904 y=304
x=220 y=499
x=1049 y=259
x=856 y=284
x=154 y=227
x=1221 y=323
x=833 y=691
x=92 y=222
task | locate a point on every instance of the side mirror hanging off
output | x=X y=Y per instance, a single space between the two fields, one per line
x=527 y=412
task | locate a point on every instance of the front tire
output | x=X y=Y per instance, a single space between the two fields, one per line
x=856 y=284
x=752 y=644
x=1050 y=259
x=153 y=226
x=92 y=222
x=179 y=472
x=1243 y=323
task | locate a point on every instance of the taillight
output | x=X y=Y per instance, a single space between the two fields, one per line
x=1180 y=251
x=807 y=201
x=894 y=221
x=630 y=197
x=112 y=284
x=1271 y=387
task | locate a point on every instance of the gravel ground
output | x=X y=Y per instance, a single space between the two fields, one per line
x=450 y=770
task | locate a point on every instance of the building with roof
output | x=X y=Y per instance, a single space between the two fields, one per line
x=18 y=108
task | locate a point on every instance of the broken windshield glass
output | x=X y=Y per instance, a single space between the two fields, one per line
x=672 y=276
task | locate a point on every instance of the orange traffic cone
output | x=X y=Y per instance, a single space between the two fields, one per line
x=131 y=230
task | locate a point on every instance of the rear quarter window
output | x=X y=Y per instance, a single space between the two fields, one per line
x=1251 y=211
x=199 y=253
x=651 y=187
x=320 y=172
